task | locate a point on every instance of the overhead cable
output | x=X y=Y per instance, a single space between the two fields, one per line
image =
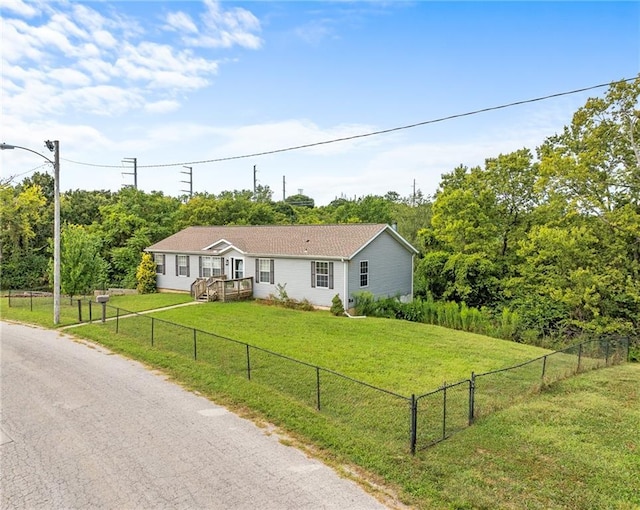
x=365 y=135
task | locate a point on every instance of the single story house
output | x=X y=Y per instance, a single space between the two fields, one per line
x=313 y=262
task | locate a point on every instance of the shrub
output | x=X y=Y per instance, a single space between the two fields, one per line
x=146 y=275
x=337 y=308
x=283 y=299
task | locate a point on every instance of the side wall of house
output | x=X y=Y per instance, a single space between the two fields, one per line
x=390 y=269
x=296 y=274
x=169 y=280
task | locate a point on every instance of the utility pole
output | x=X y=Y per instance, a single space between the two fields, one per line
x=55 y=146
x=413 y=199
x=255 y=181
x=135 y=170
x=190 y=181
x=284 y=195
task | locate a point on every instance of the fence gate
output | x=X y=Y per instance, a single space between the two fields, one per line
x=441 y=413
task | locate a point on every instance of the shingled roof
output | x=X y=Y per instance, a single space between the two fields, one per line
x=330 y=241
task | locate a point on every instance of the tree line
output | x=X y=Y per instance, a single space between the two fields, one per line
x=550 y=236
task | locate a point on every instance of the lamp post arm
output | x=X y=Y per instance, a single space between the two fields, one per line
x=6 y=146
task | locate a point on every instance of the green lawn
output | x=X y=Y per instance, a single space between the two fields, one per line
x=138 y=303
x=403 y=357
x=573 y=446
x=39 y=310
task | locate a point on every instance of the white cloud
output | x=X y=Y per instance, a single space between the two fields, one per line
x=62 y=24
x=71 y=77
x=104 y=100
x=17 y=43
x=165 y=106
x=226 y=28
x=19 y=7
x=104 y=39
x=84 y=61
x=180 y=22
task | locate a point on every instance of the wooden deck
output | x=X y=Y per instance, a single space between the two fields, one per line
x=217 y=288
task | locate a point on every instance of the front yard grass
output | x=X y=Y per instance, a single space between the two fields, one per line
x=403 y=357
x=576 y=445
x=39 y=310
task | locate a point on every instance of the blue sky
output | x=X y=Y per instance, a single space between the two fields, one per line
x=187 y=81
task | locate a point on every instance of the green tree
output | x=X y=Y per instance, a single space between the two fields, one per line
x=23 y=219
x=594 y=166
x=81 y=207
x=130 y=223
x=300 y=200
x=81 y=266
x=146 y=275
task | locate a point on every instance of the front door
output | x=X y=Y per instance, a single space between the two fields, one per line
x=238 y=268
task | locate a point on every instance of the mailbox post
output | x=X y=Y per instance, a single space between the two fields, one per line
x=103 y=299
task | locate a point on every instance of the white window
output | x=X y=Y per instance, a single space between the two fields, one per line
x=364 y=273
x=158 y=258
x=322 y=274
x=265 y=271
x=182 y=265
x=211 y=266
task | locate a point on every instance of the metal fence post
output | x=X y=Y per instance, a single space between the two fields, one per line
x=31 y=300
x=79 y=310
x=248 y=363
x=152 y=327
x=606 y=354
x=544 y=366
x=414 y=424
x=444 y=410
x=117 y=319
x=472 y=397
x=90 y=312
x=628 y=356
x=195 y=345
x=318 y=386
x=9 y=297
x=579 y=356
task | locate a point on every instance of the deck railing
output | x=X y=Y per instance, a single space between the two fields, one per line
x=217 y=288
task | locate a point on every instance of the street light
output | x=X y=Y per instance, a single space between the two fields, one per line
x=55 y=148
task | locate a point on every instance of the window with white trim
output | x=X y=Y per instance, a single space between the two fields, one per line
x=265 y=271
x=182 y=265
x=211 y=266
x=158 y=258
x=322 y=274
x=364 y=273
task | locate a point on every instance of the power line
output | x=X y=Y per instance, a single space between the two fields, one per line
x=11 y=178
x=372 y=133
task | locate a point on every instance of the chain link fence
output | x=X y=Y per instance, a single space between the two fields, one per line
x=379 y=415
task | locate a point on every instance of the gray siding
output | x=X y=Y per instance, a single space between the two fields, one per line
x=296 y=274
x=390 y=269
x=170 y=281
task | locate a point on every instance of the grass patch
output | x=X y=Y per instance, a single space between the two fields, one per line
x=142 y=302
x=573 y=446
x=403 y=357
x=39 y=310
